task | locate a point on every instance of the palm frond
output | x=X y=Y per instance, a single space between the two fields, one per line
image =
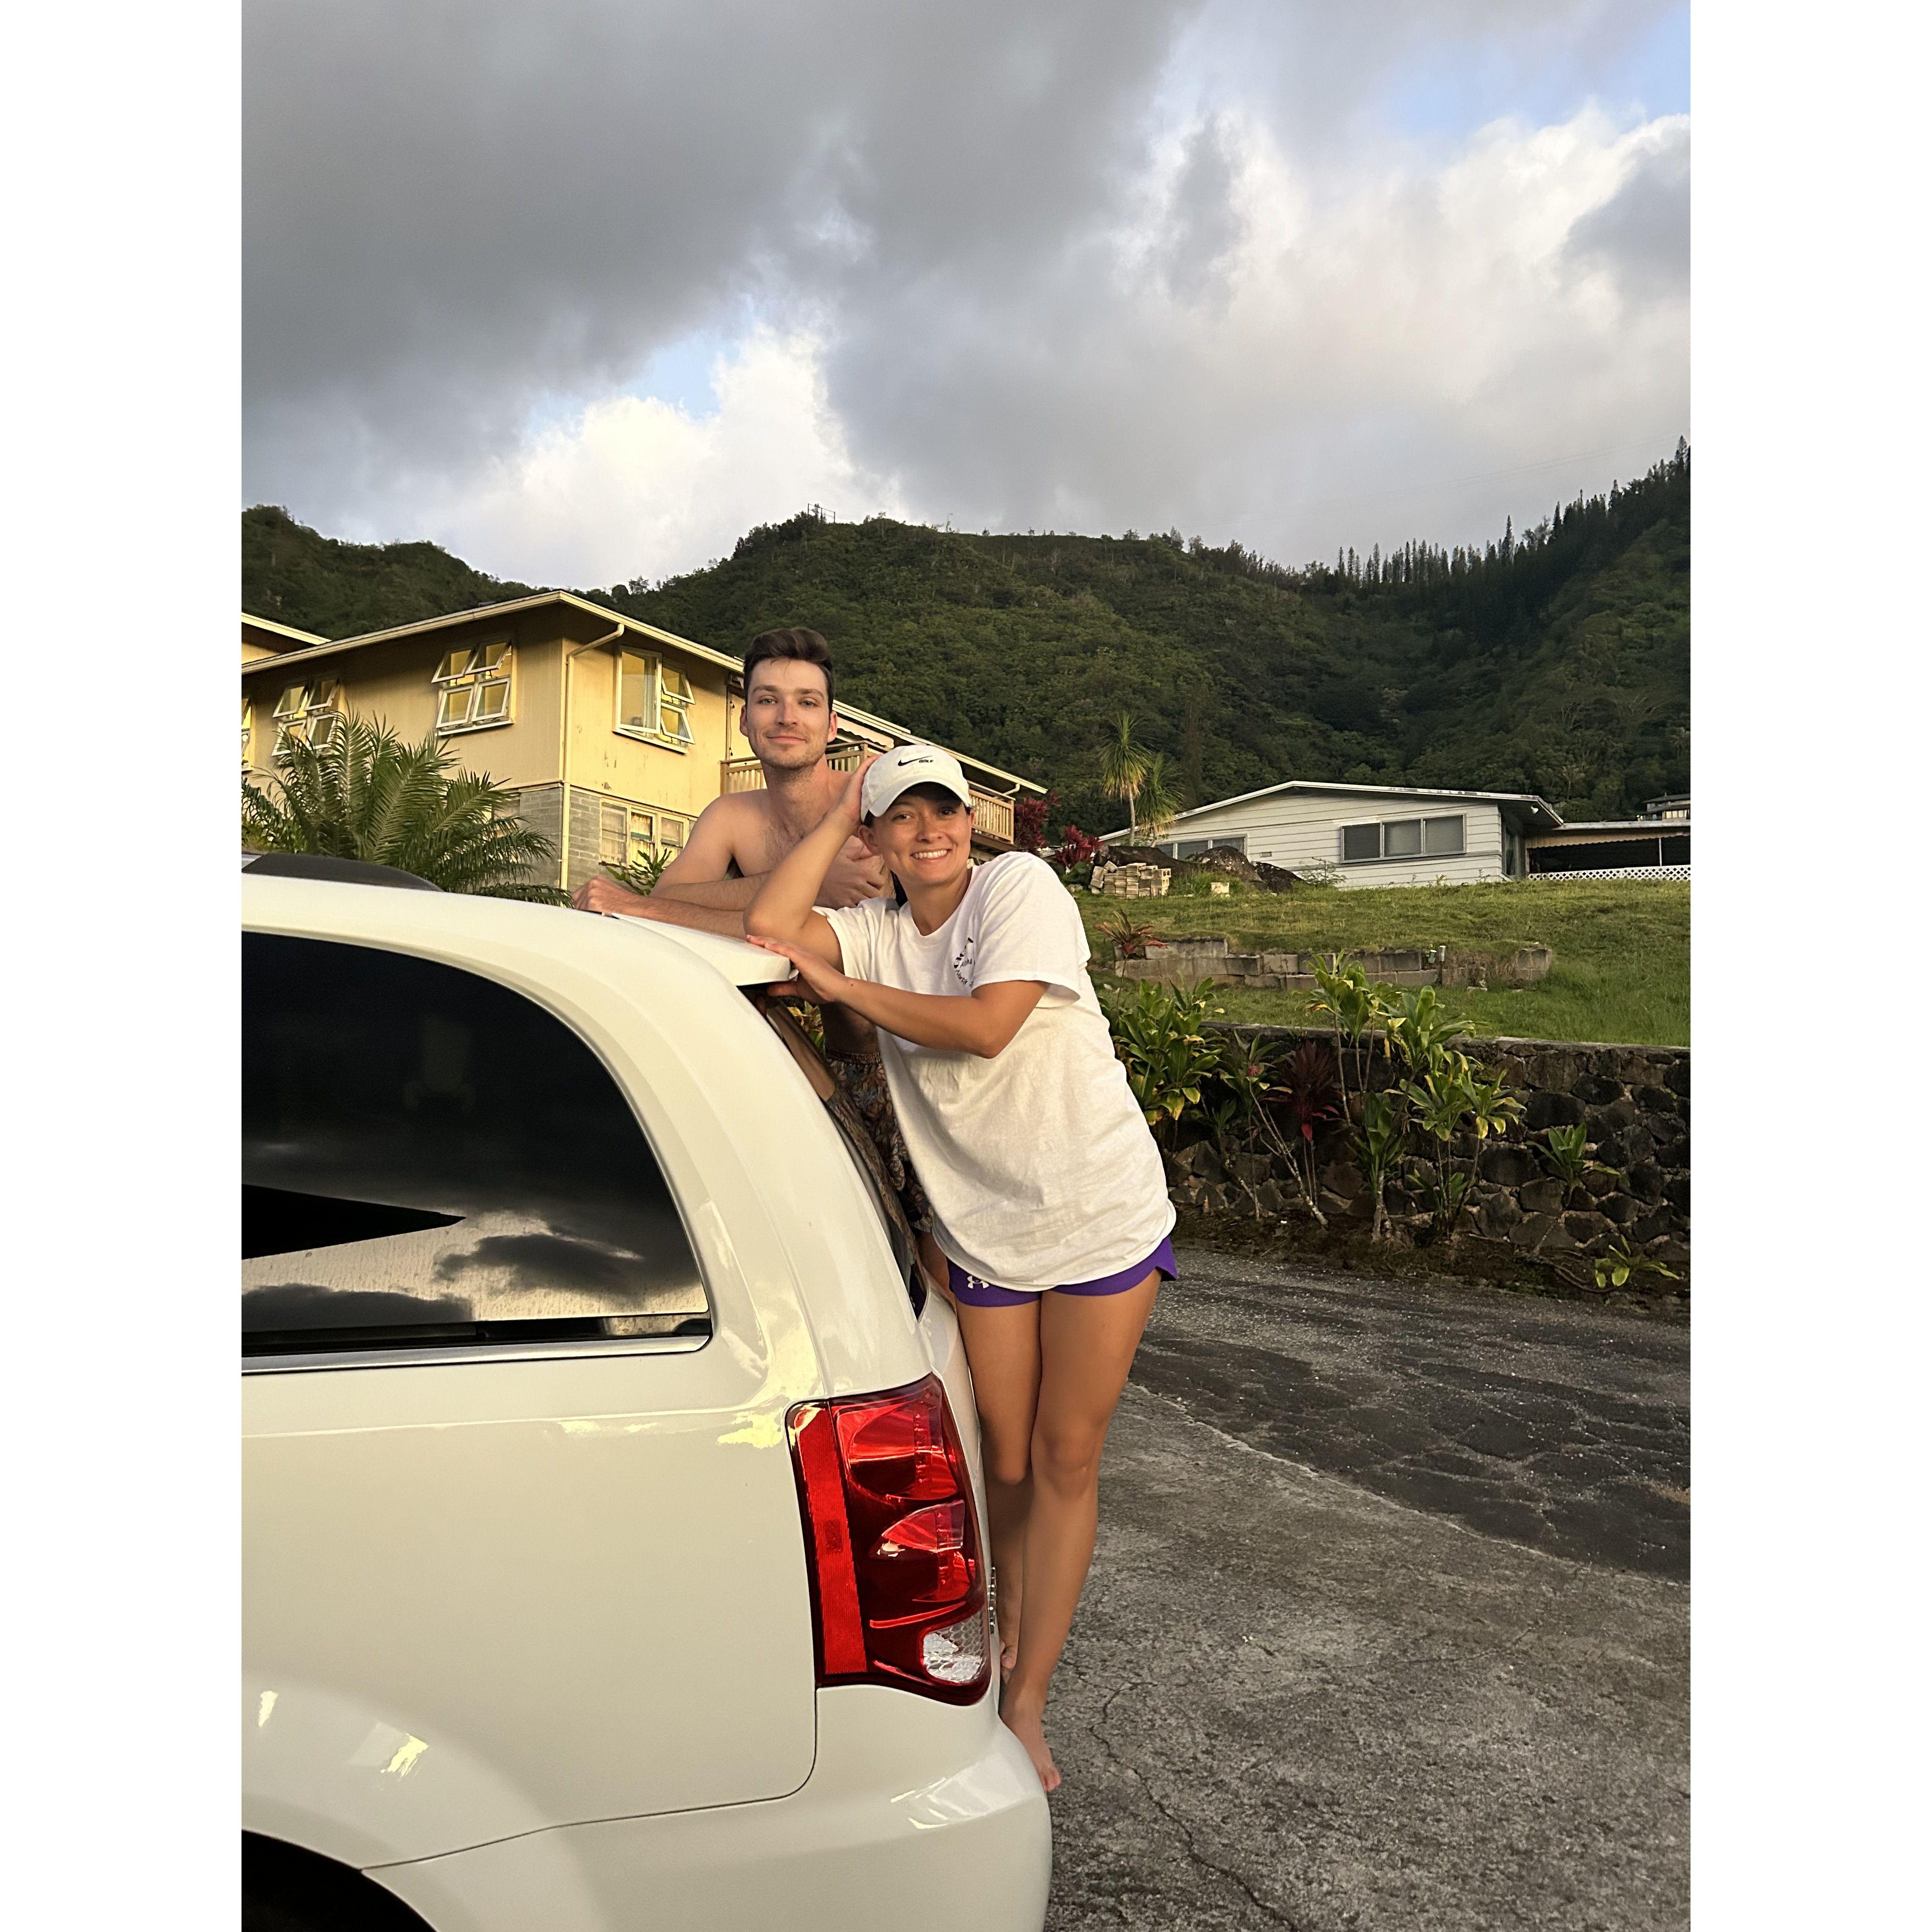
x=366 y=795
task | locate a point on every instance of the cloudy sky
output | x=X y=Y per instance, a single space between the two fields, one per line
x=583 y=290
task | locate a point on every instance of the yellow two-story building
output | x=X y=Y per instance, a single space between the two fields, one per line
x=614 y=735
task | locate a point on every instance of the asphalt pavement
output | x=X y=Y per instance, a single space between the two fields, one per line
x=1388 y=1625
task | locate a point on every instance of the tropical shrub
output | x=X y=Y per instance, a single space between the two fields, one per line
x=640 y=875
x=1160 y=1037
x=1344 y=992
x=1614 y=1269
x=1130 y=935
x=1378 y=1150
x=1029 y=817
x=1419 y=1031
x=366 y=795
x=1311 y=1094
x=1076 y=852
x=1567 y=1154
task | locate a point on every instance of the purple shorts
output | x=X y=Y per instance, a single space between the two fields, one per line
x=977 y=1293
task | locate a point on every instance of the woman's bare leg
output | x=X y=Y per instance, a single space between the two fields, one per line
x=1087 y=1345
x=1003 y=1350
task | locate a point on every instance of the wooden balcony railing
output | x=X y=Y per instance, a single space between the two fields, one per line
x=992 y=815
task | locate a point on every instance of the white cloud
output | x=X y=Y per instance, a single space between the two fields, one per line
x=631 y=483
x=1262 y=350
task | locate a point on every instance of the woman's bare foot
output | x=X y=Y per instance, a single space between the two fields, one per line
x=1020 y=1717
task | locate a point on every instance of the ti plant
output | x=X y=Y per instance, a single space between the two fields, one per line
x=1420 y=1031
x=1158 y=1036
x=1567 y=1155
x=1378 y=1143
x=1311 y=1094
x=1129 y=935
x=1439 y=1100
x=1614 y=1269
x=1344 y=992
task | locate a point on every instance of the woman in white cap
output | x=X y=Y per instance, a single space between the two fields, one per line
x=1048 y=1199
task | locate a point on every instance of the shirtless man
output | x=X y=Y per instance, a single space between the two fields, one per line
x=788 y=720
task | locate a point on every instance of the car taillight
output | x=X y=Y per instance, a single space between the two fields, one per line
x=898 y=1582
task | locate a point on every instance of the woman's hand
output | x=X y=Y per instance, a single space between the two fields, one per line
x=850 y=807
x=823 y=982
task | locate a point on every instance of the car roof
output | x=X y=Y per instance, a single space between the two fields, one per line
x=741 y=963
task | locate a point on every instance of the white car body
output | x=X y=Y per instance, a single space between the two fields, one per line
x=530 y=1630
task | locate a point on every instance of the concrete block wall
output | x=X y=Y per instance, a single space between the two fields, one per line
x=541 y=808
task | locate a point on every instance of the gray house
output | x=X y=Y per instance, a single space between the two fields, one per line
x=1402 y=835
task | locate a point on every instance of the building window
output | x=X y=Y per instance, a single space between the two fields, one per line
x=628 y=834
x=1402 y=838
x=654 y=700
x=308 y=714
x=1193 y=848
x=612 y=848
x=473 y=688
x=248 y=729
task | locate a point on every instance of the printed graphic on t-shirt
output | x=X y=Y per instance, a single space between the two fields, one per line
x=962 y=960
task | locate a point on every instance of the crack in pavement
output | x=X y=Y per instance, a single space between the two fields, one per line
x=1196 y=1856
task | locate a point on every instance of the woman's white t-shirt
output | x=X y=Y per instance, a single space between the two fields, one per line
x=1038 y=1162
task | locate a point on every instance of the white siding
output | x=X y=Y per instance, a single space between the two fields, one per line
x=1301 y=828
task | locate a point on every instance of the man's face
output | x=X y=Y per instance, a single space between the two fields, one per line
x=787 y=721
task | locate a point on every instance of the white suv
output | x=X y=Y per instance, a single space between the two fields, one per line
x=613 y=1546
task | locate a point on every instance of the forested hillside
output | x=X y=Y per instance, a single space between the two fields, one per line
x=294 y=576
x=1556 y=660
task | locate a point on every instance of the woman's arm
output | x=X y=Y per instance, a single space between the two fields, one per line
x=782 y=909
x=983 y=1022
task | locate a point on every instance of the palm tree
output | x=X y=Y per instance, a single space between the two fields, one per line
x=366 y=795
x=1123 y=769
x=1157 y=803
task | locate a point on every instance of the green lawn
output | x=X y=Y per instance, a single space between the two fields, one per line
x=1623 y=949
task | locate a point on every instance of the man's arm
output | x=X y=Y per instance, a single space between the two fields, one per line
x=695 y=878
x=698 y=875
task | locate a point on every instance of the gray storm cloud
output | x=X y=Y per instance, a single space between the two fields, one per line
x=1112 y=261
x=1641 y=234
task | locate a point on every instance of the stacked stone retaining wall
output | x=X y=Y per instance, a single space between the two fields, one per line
x=1634 y=1103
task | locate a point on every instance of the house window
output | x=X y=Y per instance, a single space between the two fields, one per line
x=628 y=835
x=247 y=728
x=473 y=688
x=1402 y=838
x=654 y=699
x=1193 y=848
x=307 y=714
x=671 y=831
x=612 y=836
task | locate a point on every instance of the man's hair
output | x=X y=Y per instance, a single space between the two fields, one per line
x=794 y=641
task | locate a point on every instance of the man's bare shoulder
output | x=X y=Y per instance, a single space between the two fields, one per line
x=742 y=821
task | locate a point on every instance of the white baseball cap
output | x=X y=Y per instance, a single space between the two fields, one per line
x=906 y=766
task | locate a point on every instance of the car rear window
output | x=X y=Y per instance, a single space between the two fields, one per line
x=430 y=1160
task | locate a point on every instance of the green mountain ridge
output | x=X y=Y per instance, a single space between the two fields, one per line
x=1557 y=662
